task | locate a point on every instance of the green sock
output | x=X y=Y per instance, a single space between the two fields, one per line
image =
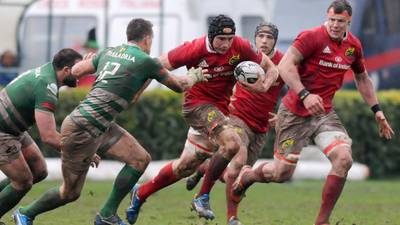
x=50 y=200
x=9 y=197
x=4 y=183
x=124 y=182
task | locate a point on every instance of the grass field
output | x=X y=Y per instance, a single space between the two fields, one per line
x=362 y=203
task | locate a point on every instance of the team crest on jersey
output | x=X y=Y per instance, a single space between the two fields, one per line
x=211 y=115
x=287 y=144
x=234 y=60
x=52 y=88
x=122 y=49
x=350 y=51
x=238 y=130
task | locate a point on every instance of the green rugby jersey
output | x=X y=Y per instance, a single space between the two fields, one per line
x=34 y=89
x=120 y=73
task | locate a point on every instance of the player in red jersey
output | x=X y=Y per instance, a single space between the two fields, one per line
x=206 y=106
x=249 y=114
x=322 y=55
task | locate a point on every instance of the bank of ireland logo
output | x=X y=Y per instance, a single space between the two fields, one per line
x=234 y=60
x=350 y=51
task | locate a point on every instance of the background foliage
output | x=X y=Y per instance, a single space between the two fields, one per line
x=156 y=121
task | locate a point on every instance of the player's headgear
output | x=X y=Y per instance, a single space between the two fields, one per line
x=273 y=30
x=220 y=25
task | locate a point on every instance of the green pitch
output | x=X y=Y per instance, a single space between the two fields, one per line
x=362 y=203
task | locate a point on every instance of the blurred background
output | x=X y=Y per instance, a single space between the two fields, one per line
x=32 y=31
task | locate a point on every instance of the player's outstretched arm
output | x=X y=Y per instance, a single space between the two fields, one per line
x=366 y=89
x=46 y=125
x=182 y=83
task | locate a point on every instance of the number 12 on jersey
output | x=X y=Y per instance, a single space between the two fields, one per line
x=109 y=69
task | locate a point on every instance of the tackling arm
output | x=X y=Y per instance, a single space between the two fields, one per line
x=182 y=83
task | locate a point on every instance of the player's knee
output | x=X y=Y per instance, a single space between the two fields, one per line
x=233 y=169
x=146 y=159
x=231 y=146
x=40 y=175
x=184 y=170
x=140 y=163
x=343 y=161
x=280 y=176
x=71 y=196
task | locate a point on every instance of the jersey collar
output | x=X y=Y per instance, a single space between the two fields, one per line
x=209 y=46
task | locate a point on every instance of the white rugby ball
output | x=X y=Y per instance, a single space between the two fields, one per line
x=248 y=71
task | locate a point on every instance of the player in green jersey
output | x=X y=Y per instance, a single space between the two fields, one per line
x=121 y=74
x=29 y=98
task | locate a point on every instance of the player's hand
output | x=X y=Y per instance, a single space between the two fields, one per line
x=198 y=75
x=384 y=128
x=257 y=87
x=314 y=104
x=89 y=56
x=95 y=161
x=273 y=119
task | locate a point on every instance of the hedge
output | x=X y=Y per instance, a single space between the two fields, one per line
x=156 y=121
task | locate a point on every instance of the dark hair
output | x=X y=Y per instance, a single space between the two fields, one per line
x=65 y=57
x=273 y=27
x=218 y=26
x=138 y=29
x=340 y=6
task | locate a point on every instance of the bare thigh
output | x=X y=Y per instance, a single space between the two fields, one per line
x=34 y=157
x=128 y=150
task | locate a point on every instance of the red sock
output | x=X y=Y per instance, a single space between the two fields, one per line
x=332 y=189
x=203 y=167
x=222 y=177
x=232 y=203
x=163 y=179
x=216 y=167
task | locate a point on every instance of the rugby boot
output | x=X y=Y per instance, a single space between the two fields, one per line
x=202 y=207
x=132 y=212
x=112 y=220
x=234 y=221
x=21 y=219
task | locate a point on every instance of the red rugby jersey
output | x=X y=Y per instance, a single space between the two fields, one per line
x=253 y=108
x=218 y=89
x=324 y=65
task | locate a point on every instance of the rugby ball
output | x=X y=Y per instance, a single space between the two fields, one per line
x=248 y=71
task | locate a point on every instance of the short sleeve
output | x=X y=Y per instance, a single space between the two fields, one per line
x=156 y=70
x=306 y=43
x=358 y=65
x=46 y=96
x=182 y=55
x=96 y=59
